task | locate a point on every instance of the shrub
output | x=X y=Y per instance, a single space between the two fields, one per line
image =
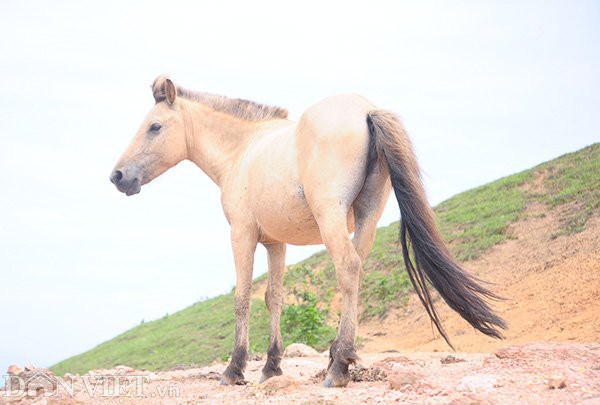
x=306 y=320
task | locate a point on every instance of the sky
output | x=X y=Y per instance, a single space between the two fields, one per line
x=485 y=89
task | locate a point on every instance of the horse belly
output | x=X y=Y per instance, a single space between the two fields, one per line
x=287 y=218
x=284 y=216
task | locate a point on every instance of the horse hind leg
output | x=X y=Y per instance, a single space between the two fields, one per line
x=333 y=226
x=368 y=208
x=274 y=301
x=348 y=257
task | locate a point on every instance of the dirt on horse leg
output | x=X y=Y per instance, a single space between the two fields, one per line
x=347 y=266
x=244 y=246
x=274 y=301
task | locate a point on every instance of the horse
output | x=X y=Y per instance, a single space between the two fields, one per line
x=315 y=181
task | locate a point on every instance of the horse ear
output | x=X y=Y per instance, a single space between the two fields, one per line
x=164 y=89
x=170 y=91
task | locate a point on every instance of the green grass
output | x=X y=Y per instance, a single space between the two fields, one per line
x=198 y=334
x=477 y=219
x=573 y=180
x=471 y=223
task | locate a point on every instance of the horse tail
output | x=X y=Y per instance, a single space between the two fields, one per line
x=431 y=262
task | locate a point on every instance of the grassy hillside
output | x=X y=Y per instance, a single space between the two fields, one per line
x=471 y=222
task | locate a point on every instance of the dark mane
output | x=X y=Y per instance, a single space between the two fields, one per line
x=244 y=109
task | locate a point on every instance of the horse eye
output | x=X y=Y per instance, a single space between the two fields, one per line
x=155 y=127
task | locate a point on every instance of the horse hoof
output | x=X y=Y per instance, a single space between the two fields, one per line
x=234 y=377
x=237 y=382
x=268 y=372
x=331 y=382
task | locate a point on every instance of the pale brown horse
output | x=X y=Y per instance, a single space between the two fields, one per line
x=311 y=182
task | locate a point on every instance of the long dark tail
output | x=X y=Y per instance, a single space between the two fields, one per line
x=432 y=262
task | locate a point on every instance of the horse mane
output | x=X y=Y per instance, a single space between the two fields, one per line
x=243 y=109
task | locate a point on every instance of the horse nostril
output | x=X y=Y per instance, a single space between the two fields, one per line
x=116 y=177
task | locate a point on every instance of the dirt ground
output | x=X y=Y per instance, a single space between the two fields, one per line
x=552 y=286
x=550 y=372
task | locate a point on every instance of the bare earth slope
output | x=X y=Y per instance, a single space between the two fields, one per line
x=552 y=288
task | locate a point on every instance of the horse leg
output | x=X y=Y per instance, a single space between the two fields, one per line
x=244 y=245
x=368 y=207
x=334 y=231
x=274 y=301
x=348 y=258
x=333 y=139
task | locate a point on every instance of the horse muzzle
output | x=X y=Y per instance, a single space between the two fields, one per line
x=126 y=181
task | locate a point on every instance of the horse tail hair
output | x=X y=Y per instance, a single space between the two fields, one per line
x=431 y=262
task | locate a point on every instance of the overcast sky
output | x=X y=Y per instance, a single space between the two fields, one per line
x=486 y=89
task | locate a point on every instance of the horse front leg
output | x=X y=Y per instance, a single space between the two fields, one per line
x=274 y=301
x=244 y=242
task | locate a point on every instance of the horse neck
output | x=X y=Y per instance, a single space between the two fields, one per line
x=215 y=140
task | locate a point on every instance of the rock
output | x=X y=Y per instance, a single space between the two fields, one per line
x=397 y=359
x=477 y=382
x=124 y=369
x=389 y=362
x=211 y=375
x=280 y=383
x=557 y=382
x=14 y=370
x=38 y=380
x=403 y=380
x=300 y=350
x=70 y=377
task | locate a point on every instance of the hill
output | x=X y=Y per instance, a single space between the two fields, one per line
x=487 y=228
